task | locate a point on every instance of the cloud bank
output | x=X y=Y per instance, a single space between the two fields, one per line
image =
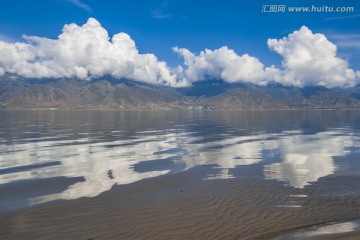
x=225 y=64
x=86 y=52
x=310 y=59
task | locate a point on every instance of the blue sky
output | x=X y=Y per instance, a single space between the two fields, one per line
x=191 y=25
x=158 y=25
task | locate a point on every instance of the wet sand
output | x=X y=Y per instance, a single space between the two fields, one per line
x=183 y=206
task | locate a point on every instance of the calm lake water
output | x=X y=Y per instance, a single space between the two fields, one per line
x=62 y=155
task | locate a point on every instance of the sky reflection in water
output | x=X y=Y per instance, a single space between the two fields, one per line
x=115 y=148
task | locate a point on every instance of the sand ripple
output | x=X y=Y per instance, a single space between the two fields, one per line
x=168 y=207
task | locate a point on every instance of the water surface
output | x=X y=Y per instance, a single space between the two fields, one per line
x=56 y=155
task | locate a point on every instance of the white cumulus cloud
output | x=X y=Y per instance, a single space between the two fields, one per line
x=311 y=59
x=84 y=52
x=87 y=51
x=308 y=60
x=225 y=64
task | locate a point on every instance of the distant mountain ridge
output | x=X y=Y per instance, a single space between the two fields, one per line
x=125 y=94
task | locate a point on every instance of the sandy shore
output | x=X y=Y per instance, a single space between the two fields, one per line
x=183 y=206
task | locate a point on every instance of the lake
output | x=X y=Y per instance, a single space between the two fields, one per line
x=196 y=174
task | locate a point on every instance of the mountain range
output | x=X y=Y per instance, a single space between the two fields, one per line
x=109 y=93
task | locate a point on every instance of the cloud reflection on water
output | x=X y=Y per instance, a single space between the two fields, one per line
x=306 y=158
x=297 y=159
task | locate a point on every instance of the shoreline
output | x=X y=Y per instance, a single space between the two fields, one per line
x=180 y=109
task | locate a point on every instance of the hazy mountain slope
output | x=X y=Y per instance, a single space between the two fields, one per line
x=312 y=97
x=124 y=94
x=99 y=94
x=244 y=98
